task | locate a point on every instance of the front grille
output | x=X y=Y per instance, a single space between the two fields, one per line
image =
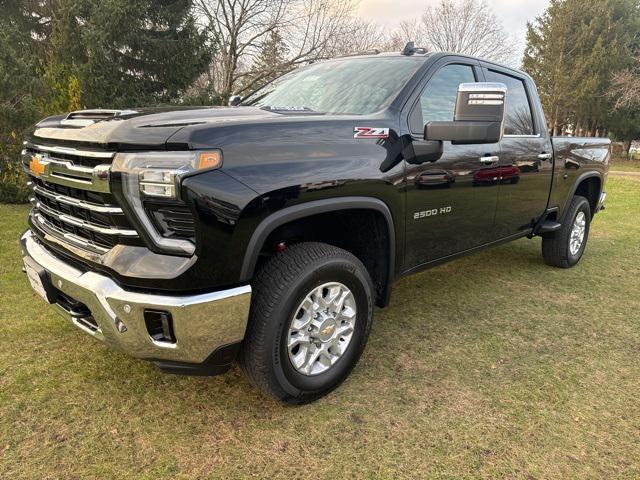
x=77 y=212
x=76 y=157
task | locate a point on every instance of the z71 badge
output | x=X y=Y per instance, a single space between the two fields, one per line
x=370 y=132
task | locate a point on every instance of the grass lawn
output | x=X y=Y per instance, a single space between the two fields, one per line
x=493 y=366
x=625 y=165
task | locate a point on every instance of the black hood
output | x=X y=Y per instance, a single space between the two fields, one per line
x=139 y=128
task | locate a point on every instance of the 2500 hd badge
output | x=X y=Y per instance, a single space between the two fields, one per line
x=265 y=233
x=431 y=213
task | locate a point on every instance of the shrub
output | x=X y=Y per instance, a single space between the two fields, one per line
x=13 y=183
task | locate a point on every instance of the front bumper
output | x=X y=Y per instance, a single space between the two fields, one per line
x=207 y=327
x=601 y=202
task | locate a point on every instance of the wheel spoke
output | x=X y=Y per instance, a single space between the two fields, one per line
x=348 y=313
x=297 y=339
x=337 y=302
x=311 y=359
x=337 y=348
x=325 y=357
x=344 y=330
x=319 y=301
x=302 y=321
x=300 y=359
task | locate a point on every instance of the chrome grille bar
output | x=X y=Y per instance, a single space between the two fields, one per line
x=69 y=237
x=64 y=171
x=71 y=151
x=77 y=222
x=75 y=202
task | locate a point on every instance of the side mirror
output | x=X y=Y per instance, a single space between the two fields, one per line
x=478 y=116
x=234 y=100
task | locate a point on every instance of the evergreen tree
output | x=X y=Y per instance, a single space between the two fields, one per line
x=62 y=55
x=572 y=51
x=20 y=88
x=271 y=62
x=126 y=53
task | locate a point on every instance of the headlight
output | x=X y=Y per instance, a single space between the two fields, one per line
x=157 y=175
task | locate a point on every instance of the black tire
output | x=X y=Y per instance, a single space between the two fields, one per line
x=278 y=288
x=555 y=246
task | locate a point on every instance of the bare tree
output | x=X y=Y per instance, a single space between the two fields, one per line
x=625 y=88
x=408 y=31
x=358 y=36
x=239 y=29
x=464 y=26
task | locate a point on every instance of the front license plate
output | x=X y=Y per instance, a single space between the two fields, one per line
x=37 y=278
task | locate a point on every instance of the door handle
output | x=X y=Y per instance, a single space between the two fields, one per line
x=489 y=159
x=545 y=156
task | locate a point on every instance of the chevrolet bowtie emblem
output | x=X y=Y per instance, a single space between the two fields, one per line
x=36 y=166
x=327 y=330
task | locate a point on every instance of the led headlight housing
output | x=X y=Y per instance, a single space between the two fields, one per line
x=157 y=176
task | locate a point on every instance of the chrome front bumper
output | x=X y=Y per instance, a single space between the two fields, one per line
x=202 y=324
x=601 y=201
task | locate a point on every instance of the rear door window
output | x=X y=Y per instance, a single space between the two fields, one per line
x=518 y=118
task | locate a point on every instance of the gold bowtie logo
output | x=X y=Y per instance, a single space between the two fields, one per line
x=327 y=330
x=36 y=166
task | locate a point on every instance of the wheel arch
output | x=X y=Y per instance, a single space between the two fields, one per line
x=589 y=185
x=308 y=209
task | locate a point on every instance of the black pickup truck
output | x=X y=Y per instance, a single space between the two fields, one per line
x=266 y=231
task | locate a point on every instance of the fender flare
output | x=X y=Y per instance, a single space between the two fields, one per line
x=302 y=210
x=576 y=184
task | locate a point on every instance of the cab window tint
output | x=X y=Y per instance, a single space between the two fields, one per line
x=518 y=119
x=438 y=99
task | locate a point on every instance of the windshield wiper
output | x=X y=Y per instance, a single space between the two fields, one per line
x=289 y=109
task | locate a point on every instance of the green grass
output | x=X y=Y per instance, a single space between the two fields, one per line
x=493 y=366
x=625 y=165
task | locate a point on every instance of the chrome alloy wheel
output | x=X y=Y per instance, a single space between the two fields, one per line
x=321 y=328
x=577 y=233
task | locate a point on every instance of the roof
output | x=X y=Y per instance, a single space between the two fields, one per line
x=427 y=55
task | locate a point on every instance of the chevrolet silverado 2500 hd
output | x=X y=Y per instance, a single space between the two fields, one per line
x=265 y=232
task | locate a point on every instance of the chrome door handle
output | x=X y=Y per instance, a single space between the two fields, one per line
x=545 y=156
x=489 y=159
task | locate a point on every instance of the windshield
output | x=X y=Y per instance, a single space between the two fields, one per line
x=347 y=86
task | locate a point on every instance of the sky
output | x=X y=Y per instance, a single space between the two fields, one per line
x=514 y=14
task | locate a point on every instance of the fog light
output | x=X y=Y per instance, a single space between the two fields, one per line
x=159 y=325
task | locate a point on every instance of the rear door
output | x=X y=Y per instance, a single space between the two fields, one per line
x=448 y=209
x=525 y=169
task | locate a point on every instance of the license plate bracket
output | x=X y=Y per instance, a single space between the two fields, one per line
x=39 y=280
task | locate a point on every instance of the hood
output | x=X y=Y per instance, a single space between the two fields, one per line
x=139 y=128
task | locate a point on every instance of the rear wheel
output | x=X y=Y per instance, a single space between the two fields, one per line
x=310 y=318
x=565 y=247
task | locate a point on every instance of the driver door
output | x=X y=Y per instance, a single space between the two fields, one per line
x=451 y=203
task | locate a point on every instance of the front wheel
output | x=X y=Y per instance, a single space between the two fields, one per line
x=310 y=318
x=565 y=247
